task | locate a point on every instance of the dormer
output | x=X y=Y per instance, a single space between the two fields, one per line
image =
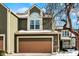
x=34 y=18
x=35 y=9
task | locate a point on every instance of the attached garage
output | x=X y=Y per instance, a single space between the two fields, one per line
x=35 y=45
x=1 y=42
x=37 y=42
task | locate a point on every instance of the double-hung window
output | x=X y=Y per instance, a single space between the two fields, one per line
x=31 y=24
x=34 y=24
x=37 y=24
x=65 y=33
x=66 y=43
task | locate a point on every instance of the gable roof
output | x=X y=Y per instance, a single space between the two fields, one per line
x=8 y=9
x=34 y=6
x=24 y=15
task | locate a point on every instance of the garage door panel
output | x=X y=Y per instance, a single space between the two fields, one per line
x=1 y=42
x=36 y=46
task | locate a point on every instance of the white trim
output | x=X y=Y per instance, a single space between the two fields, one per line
x=58 y=43
x=28 y=21
x=8 y=31
x=64 y=31
x=52 y=44
x=33 y=37
x=34 y=24
x=3 y=41
x=65 y=37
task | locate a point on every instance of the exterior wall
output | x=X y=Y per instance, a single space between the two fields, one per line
x=22 y=24
x=12 y=28
x=3 y=23
x=56 y=40
x=47 y=24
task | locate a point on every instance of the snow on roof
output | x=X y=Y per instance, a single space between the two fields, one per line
x=72 y=35
x=35 y=31
x=22 y=15
x=59 y=27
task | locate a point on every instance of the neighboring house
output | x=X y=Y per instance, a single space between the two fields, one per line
x=29 y=32
x=68 y=39
x=8 y=27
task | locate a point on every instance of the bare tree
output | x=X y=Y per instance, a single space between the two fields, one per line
x=67 y=7
x=76 y=33
x=55 y=9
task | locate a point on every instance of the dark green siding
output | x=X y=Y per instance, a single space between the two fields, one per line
x=3 y=22
x=22 y=24
x=47 y=24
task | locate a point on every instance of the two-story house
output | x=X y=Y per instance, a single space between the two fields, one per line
x=29 y=32
x=35 y=33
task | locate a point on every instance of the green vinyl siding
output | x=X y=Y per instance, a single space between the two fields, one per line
x=22 y=24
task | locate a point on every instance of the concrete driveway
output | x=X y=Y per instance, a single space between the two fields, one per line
x=71 y=53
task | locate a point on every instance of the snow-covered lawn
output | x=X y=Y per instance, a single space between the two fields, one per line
x=70 y=53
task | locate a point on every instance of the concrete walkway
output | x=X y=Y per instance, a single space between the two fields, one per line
x=29 y=54
x=74 y=53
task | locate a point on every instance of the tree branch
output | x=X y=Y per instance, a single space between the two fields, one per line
x=69 y=19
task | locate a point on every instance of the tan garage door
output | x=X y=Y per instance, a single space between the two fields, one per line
x=1 y=42
x=35 y=45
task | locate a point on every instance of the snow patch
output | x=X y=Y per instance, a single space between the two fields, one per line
x=73 y=53
x=44 y=9
x=36 y=31
x=21 y=10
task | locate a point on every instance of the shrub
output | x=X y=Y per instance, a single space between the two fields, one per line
x=2 y=52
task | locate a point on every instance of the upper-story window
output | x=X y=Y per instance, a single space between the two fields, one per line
x=65 y=33
x=34 y=21
x=34 y=24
